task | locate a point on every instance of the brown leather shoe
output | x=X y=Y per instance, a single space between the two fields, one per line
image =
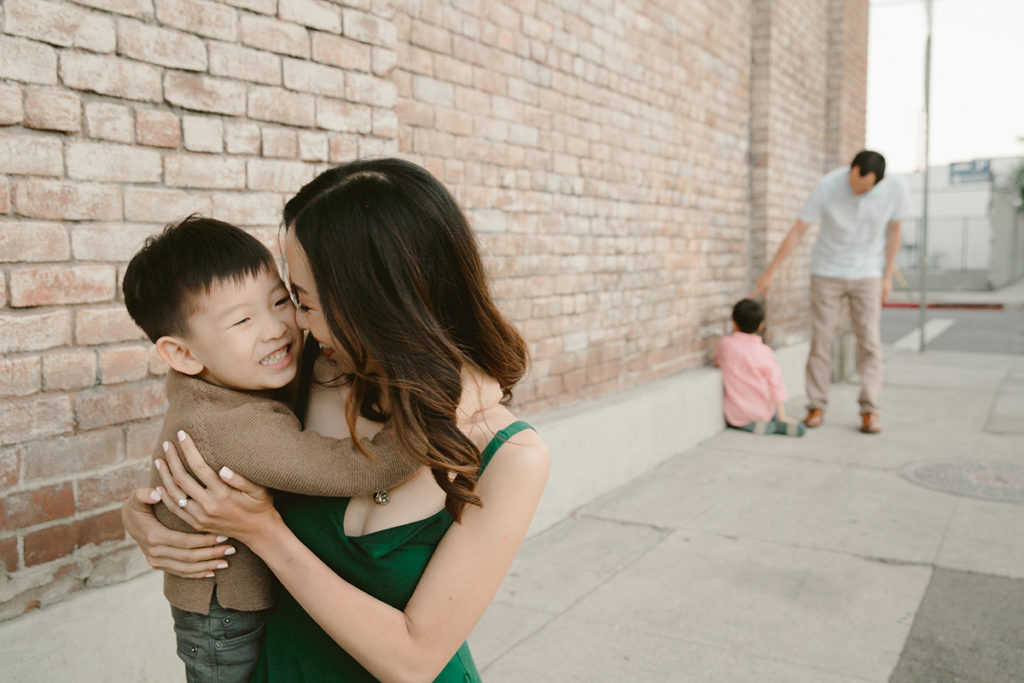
x=814 y=417
x=870 y=423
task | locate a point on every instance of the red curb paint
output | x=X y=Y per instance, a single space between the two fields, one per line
x=974 y=307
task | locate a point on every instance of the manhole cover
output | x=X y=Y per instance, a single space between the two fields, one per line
x=986 y=480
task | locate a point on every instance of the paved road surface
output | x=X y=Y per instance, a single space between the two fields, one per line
x=974 y=331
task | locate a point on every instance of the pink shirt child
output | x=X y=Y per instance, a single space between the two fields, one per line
x=750 y=377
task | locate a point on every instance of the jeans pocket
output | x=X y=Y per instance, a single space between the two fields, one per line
x=188 y=652
x=236 y=657
x=231 y=624
x=192 y=632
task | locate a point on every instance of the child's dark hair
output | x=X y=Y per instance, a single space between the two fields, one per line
x=748 y=315
x=165 y=276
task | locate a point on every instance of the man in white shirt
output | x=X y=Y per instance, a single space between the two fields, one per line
x=860 y=211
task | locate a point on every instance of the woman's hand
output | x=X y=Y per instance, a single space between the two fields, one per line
x=242 y=510
x=189 y=556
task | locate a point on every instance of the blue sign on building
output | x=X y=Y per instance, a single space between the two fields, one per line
x=964 y=172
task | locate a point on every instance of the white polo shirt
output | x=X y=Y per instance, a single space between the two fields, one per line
x=851 y=245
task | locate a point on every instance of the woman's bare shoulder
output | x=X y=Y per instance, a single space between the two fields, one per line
x=517 y=473
x=526 y=446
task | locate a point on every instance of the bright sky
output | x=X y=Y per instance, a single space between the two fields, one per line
x=977 y=103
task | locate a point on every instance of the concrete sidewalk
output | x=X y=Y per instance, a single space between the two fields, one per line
x=753 y=558
x=742 y=558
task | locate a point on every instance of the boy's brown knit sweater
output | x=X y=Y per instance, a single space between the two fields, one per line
x=261 y=439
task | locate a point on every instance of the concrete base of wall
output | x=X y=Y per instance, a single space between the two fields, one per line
x=599 y=445
x=124 y=632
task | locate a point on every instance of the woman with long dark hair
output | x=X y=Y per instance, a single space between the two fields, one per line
x=389 y=281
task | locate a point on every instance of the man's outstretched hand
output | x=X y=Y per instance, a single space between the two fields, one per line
x=762 y=285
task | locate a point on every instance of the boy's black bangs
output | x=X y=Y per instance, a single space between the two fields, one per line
x=165 y=279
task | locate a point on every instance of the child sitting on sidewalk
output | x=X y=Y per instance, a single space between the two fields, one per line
x=751 y=379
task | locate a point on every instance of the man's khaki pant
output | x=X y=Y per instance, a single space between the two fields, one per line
x=865 y=298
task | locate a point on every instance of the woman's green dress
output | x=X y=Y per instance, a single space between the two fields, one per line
x=386 y=564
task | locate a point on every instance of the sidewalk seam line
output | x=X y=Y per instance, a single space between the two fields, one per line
x=662 y=535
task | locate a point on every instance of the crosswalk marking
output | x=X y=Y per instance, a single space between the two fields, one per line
x=932 y=329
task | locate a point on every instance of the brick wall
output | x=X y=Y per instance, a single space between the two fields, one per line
x=601 y=151
x=809 y=92
x=788 y=144
x=847 y=81
x=626 y=165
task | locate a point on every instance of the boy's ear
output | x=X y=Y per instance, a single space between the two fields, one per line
x=760 y=328
x=176 y=353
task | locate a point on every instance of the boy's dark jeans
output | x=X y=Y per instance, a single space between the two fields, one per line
x=220 y=647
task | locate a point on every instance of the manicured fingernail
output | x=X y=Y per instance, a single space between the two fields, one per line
x=221 y=539
x=229 y=551
x=222 y=565
x=181 y=435
x=154 y=496
x=225 y=473
x=210 y=575
x=166 y=446
x=160 y=491
x=156 y=464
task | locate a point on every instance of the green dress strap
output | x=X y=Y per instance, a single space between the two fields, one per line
x=499 y=440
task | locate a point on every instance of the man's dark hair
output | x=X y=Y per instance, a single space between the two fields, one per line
x=165 y=276
x=748 y=315
x=870 y=162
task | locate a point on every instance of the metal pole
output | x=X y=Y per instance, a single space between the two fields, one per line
x=1016 y=270
x=924 y=216
x=963 y=244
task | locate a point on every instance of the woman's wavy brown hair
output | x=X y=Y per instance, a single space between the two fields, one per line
x=401 y=282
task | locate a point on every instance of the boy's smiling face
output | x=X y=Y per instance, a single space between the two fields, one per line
x=243 y=334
